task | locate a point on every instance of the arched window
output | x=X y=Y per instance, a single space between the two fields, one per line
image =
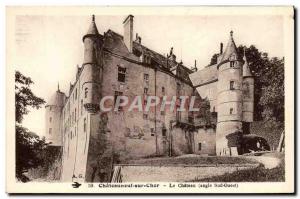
x=231 y=64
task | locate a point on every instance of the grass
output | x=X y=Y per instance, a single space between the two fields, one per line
x=190 y=161
x=259 y=174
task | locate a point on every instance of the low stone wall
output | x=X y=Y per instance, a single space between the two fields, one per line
x=175 y=173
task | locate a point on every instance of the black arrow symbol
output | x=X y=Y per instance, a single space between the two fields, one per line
x=76 y=185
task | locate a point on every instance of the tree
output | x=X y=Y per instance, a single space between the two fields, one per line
x=268 y=84
x=24 y=97
x=28 y=145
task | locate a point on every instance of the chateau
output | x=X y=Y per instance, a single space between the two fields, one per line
x=115 y=65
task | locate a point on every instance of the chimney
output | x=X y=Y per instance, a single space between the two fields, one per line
x=128 y=32
x=221 y=48
x=138 y=38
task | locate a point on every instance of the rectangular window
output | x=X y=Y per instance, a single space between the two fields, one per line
x=121 y=74
x=199 y=146
x=117 y=93
x=231 y=85
x=76 y=94
x=231 y=64
x=75 y=115
x=152 y=131
x=146 y=91
x=50 y=131
x=50 y=119
x=145 y=116
x=84 y=125
x=50 y=107
x=163 y=90
x=164 y=132
x=231 y=111
x=162 y=113
x=146 y=77
x=85 y=92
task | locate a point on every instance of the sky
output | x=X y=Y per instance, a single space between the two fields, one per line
x=48 y=48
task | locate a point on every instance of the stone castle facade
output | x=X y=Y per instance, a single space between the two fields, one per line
x=92 y=141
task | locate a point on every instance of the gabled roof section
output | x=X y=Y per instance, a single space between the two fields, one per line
x=230 y=49
x=204 y=76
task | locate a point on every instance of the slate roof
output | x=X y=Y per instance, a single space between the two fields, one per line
x=114 y=43
x=205 y=75
x=246 y=69
x=93 y=28
x=229 y=50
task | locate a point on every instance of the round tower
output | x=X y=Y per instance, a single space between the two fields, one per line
x=248 y=96
x=92 y=66
x=229 y=101
x=53 y=118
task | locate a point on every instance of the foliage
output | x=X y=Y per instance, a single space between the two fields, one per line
x=28 y=150
x=214 y=59
x=29 y=146
x=259 y=174
x=268 y=85
x=24 y=97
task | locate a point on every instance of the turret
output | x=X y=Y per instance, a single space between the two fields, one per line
x=229 y=101
x=53 y=118
x=248 y=95
x=92 y=66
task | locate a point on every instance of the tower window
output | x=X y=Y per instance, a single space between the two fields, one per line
x=199 y=146
x=214 y=109
x=231 y=64
x=50 y=107
x=50 y=131
x=84 y=125
x=76 y=94
x=231 y=85
x=121 y=74
x=163 y=90
x=231 y=111
x=50 y=119
x=75 y=114
x=85 y=92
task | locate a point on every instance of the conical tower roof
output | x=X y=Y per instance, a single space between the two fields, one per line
x=93 y=28
x=230 y=50
x=246 y=69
